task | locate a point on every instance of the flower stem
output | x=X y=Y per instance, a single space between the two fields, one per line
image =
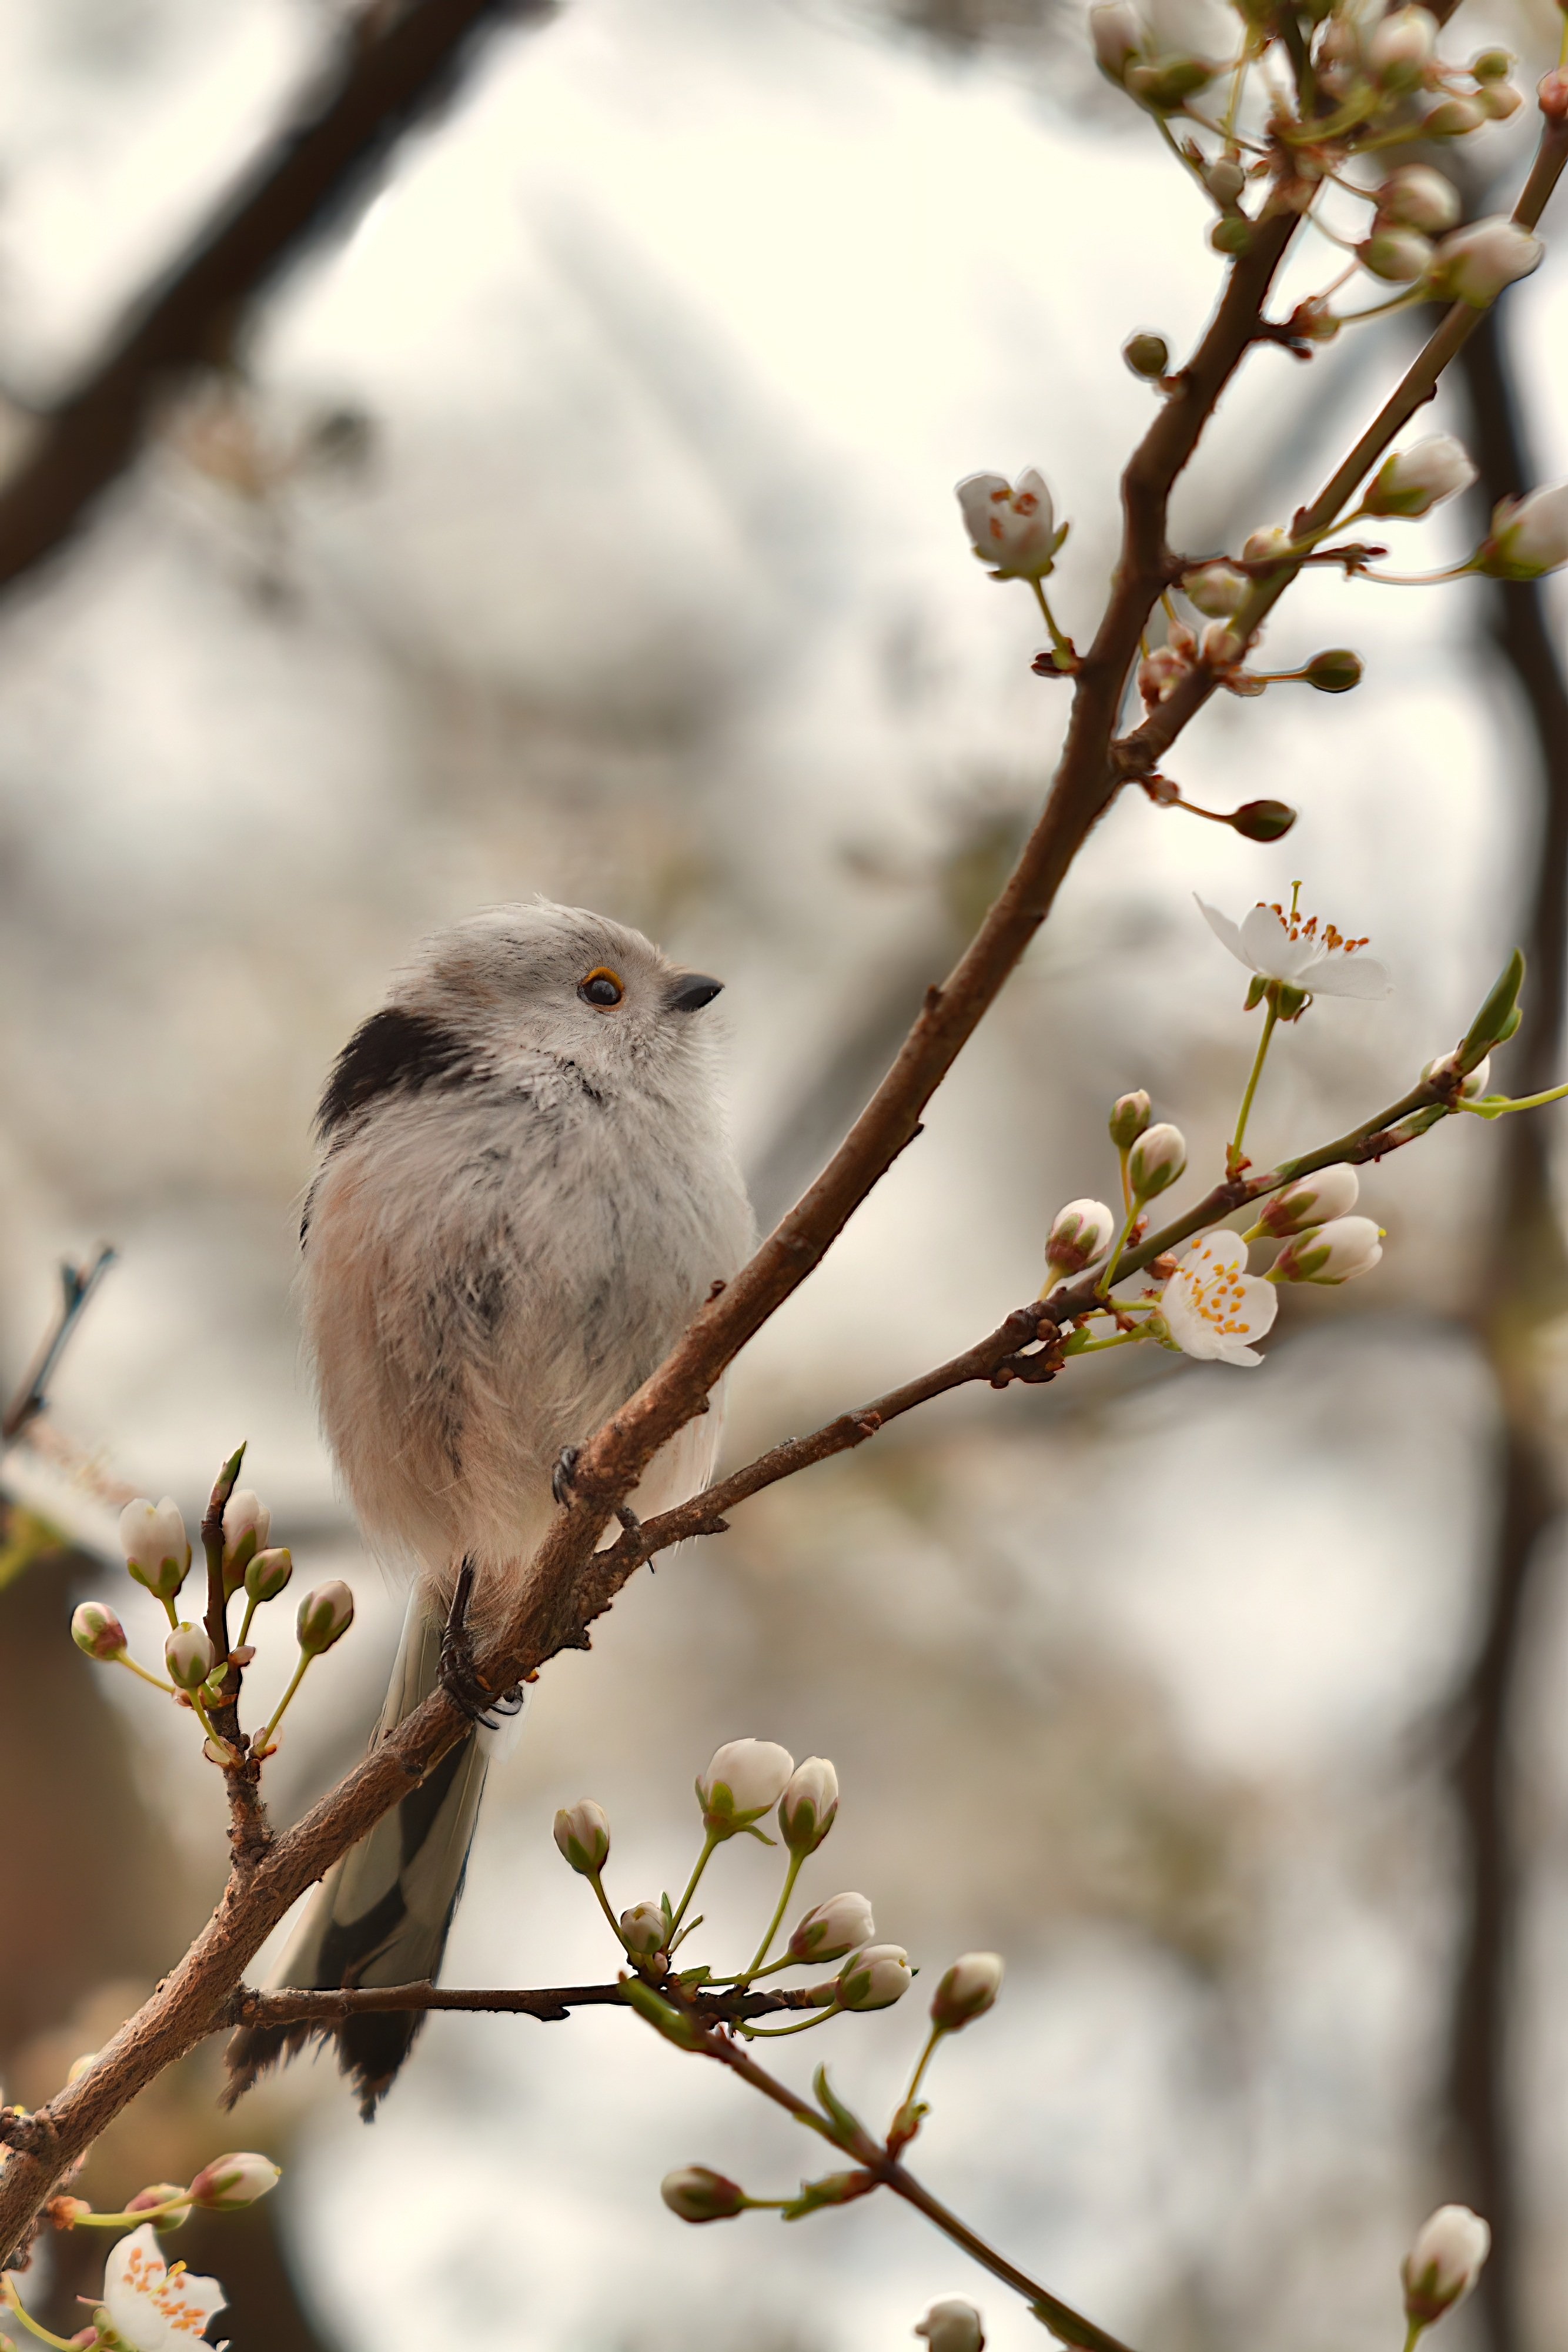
x=124 y=1659
x=712 y=1840
x=1418 y=579
x=1263 y=1043
x=791 y=1875
x=925 y=2057
x=251 y=1605
x=777 y=2032
x=179 y=2204
x=12 y=2301
x=1521 y=1102
x=1065 y=656
x=1109 y=1276
x=298 y=1676
x=231 y=1755
x=597 y=1883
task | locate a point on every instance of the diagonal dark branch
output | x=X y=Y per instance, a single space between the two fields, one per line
x=390 y=71
x=78 y=1284
x=1527 y=1280
x=550 y=2003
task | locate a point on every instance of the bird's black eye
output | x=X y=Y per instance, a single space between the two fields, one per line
x=602 y=987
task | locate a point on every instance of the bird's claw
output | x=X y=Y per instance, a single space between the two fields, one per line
x=455 y=1671
x=560 y=1476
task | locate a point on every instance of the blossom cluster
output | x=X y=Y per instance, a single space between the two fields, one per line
x=242 y=1559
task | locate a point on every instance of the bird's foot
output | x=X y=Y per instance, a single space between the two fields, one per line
x=560 y=1476
x=456 y=1671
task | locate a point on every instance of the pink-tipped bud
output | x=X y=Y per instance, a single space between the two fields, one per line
x=1156 y=1160
x=1080 y=1233
x=1129 y=1118
x=267 y=1572
x=160 y=2193
x=1326 y=1194
x=325 y=1616
x=1444 y=2263
x=967 y=1990
x=1332 y=1253
x=231 y=2181
x=98 y=1631
x=697 y=2193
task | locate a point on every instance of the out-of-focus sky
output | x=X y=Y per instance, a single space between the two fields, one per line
x=672 y=335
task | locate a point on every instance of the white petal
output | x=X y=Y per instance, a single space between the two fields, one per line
x=1187 y=1327
x=1224 y=929
x=1349 y=975
x=1231 y=1351
x=1267 y=945
x=1219 y=1247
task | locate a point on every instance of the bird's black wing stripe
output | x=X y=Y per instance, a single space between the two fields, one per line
x=394 y=1049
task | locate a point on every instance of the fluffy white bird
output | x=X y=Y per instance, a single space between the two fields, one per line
x=524 y=1191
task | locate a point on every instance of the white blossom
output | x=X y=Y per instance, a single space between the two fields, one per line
x=1312 y=1200
x=151 y=2308
x=157 y=1550
x=1417 y=197
x=1212 y=1307
x=745 y=1780
x=1477 y=262
x=582 y=1836
x=1292 y=950
x=1334 y=1252
x=966 y=1990
x=840 y=1925
x=807 y=1807
x=952 y=2325
x=1155 y=1161
x=1414 y=480
x=645 y=1928
x=1079 y=1234
x=875 y=1978
x=188 y=1656
x=1011 y=527
x=1529 y=536
x=1444 y=2263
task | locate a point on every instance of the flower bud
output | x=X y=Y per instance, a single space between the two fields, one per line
x=1116 y=32
x=1334 y=671
x=1225 y=180
x=1216 y=588
x=969 y=1987
x=1473 y=1083
x=160 y=2193
x=697 y=2193
x=1417 y=197
x=952 y=2325
x=645 y=1930
x=188 y=1656
x=1327 y=1193
x=1397 y=256
x=1232 y=235
x=1454 y=118
x=1529 y=536
x=808 y=1804
x=267 y=1573
x=1160 y=673
x=98 y=1631
x=1014 y=529
x=1476 y=263
x=1413 y=480
x=840 y=1925
x=1334 y=1252
x=231 y=2181
x=875 y=1978
x=1262 y=820
x=582 y=1836
x=1220 y=646
x=1492 y=65
x=1552 y=94
x=1499 y=99
x=1156 y=1160
x=1444 y=2263
x=248 y=1523
x=325 y=1616
x=1147 y=355
x=1129 y=1116
x=153 y=1537
x=1078 y=1235
x=1401 y=47
x=744 y=1780
x=1261 y=546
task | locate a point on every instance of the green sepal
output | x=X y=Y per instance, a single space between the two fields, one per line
x=833 y=2106
x=1497 y=1018
x=683 y=2031
x=1255 y=989
x=833 y=2189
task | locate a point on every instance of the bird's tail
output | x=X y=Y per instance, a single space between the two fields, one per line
x=381 y=1914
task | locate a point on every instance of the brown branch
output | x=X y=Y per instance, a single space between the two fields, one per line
x=392 y=69
x=560 y=1591
x=287 y=2007
x=78 y=1284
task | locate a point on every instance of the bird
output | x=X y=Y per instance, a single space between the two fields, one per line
x=524 y=1190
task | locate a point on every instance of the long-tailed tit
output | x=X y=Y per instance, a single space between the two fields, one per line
x=524 y=1191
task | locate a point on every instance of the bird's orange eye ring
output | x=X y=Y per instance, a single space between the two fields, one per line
x=602 y=988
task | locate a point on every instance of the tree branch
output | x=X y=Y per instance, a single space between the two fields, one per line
x=390 y=71
x=324 y=2009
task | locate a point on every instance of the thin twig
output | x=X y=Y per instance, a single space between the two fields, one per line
x=286 y=2007
x=78 y=1284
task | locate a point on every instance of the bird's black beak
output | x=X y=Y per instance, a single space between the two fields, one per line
x=692 y=992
